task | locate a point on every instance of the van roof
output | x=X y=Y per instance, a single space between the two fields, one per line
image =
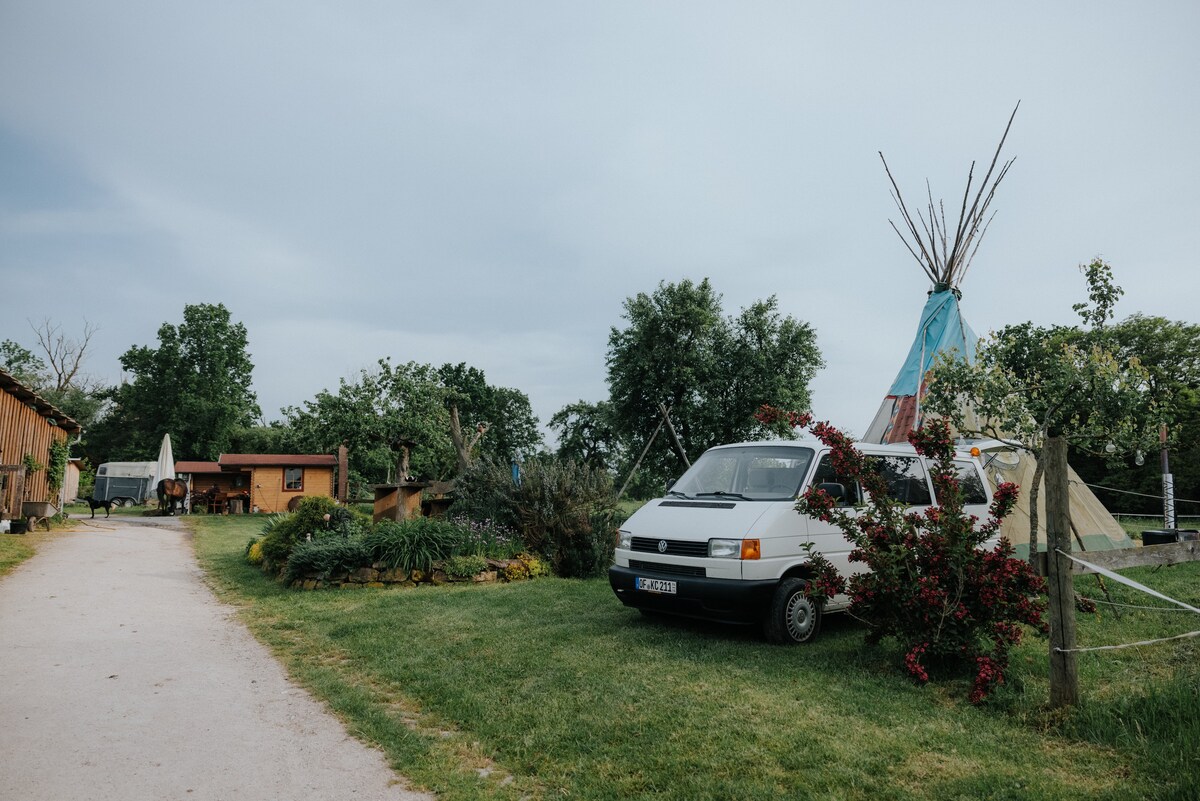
x=872 y=448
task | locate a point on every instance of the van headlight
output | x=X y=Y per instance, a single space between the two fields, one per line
x=625 y=540
x=725 y=549
x=735 y=549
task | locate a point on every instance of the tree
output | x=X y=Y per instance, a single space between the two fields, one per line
x=64 y=356
x=712 y=371
x=499 y=421
x=1170 y=353
x=195 y=386
x=409 y=411
x=586 y=434
x=58 y=377
x=1031 y=383
x=375 y=415
x=23 y=365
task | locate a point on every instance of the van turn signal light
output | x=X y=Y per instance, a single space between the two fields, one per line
x=751 y=549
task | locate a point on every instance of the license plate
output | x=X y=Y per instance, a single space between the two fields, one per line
x=655 y=585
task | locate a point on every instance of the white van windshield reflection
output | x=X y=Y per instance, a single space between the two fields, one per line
x=746 y=473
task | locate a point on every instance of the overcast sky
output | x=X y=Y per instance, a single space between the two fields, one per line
x=488 y=182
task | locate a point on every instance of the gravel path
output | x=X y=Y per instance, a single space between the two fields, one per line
x=122 y=677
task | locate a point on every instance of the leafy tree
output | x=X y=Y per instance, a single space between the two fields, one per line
x=195 y=386
x=1170 y=353
x=1031 y=383
x=502 y=418
x=586 y=434
x=407 y=411
x=713 y=371
x=375 y=415
x=23 y=365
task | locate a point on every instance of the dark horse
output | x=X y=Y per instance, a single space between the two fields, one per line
x=170 y=492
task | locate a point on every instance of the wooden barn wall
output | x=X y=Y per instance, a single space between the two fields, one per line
x=267 y=491
x=24 y=431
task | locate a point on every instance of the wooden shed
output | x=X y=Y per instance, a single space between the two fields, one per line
x=268 y=481
x=28 y=426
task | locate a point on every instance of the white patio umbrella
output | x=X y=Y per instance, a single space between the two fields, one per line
x=166 y=460
x=165 y=468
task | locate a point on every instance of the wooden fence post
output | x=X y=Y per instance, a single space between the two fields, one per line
x=1064 y=672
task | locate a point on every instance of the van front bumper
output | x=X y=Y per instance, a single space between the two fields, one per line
x=722 y=600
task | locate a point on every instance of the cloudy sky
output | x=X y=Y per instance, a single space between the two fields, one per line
x=487 y=182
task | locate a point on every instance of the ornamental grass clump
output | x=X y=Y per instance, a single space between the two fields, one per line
x=931 y=585
x=325 y=557
x=413 y=544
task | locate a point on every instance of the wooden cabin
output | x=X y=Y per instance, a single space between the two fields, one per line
x=28 y=426
x=265 y=482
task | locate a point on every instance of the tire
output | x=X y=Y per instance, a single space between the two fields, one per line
x=793 y=617
x=126 y=502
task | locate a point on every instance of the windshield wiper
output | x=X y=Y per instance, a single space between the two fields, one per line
x=723 y=494
x=679 y=494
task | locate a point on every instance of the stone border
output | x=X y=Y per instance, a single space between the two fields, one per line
x=378 y=575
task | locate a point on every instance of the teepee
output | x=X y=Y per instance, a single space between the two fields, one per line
x=945 y=254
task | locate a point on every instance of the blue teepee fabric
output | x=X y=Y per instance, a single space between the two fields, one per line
x=942 y=330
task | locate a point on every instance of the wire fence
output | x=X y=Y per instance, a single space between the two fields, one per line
x=1178 y=606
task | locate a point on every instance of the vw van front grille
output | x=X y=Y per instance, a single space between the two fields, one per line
x=672 y=548
x=674 y=570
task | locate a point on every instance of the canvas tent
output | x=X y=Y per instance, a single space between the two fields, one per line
x=944 y=256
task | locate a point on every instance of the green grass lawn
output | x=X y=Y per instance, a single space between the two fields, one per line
x=551 y=689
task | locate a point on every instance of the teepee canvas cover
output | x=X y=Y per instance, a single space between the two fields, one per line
x=944 y=256
x=942 y=330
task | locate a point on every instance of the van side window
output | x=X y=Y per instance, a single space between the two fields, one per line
x=851 y=494
x=970 y=483
x=905 y=476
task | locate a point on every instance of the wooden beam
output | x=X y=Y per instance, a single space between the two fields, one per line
x=1064 y=671
x=1172 y=553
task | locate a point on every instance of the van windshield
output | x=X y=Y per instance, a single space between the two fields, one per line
x=747 y=473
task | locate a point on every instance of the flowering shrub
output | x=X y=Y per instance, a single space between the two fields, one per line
x=931 y=586
x=486 y=538
x=525 y=566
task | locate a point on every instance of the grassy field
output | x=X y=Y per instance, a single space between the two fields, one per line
x=552 y=689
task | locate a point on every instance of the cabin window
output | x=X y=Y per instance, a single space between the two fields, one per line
x=293 y=478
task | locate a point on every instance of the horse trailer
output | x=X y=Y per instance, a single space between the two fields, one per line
x=128 y=483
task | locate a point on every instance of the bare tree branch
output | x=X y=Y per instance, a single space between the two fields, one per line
x=65 y=356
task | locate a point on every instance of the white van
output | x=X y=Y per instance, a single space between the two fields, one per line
x=727 y=544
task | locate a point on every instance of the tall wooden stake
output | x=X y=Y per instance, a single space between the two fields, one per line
x=1064 y=672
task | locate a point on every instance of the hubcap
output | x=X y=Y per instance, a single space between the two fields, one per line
x=799 y=617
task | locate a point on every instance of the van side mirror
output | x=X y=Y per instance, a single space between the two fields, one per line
x=670 y=483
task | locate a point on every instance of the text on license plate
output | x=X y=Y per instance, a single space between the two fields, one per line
x=655 y=585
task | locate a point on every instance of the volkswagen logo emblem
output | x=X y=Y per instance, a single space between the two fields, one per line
x=662 y=546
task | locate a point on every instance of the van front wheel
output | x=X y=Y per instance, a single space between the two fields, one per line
x=793 y=617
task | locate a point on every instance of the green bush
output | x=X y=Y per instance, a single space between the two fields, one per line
x=564 y=510
x=412 y=544
x=465 y=566
x=282 y=532
x=326 y=557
